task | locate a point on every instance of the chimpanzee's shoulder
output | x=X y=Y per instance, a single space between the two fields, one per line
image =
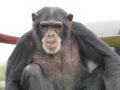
x=26 y=38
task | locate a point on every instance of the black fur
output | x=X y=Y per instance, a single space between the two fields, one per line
x=117 y=50
x=23 y=74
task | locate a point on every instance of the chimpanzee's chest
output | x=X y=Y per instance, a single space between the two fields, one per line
x=62 y=68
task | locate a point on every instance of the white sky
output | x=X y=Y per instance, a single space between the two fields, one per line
x=15 y=15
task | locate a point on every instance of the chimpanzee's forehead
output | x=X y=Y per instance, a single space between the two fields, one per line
x=51 y=22
x=51 y=13
x=51 y=10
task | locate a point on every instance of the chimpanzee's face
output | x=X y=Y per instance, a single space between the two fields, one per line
x=52 y=33
x=52 y=27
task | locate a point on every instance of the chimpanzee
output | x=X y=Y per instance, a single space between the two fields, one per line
x=55 y=55
x=117 y=50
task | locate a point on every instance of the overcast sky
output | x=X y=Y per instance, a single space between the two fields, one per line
x=15 y=15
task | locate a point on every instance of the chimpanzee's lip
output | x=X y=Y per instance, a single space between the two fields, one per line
x=51 y=45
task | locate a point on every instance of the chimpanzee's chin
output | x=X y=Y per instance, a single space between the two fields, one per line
x=52 y=50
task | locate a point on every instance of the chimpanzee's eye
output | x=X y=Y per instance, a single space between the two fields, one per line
x=57 y=25
x=44 y=25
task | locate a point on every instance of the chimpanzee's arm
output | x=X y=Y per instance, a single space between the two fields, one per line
x=20 y=57
x=92 y=48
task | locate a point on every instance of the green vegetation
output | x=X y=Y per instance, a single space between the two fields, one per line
x=113 y=41
x=2 y=72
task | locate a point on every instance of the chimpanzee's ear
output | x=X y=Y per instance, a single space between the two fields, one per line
x=70 y=17
x=34 y=15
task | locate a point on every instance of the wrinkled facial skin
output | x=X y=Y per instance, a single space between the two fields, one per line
x=52 y=30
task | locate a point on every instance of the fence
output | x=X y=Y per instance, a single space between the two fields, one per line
x=113 y=41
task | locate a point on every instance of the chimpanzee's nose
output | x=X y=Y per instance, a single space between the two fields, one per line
x=51 y=34
x=50 y=39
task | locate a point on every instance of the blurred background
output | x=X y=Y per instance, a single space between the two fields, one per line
x=100 y=16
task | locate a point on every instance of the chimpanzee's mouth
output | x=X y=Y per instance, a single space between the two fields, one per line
x=52 y=45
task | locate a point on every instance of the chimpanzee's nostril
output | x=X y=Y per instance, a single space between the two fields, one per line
x=51 y=34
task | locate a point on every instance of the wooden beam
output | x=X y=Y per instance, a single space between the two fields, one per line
x=8 y=39
x=113 y=41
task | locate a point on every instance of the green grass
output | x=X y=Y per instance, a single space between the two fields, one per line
x=2 y=72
